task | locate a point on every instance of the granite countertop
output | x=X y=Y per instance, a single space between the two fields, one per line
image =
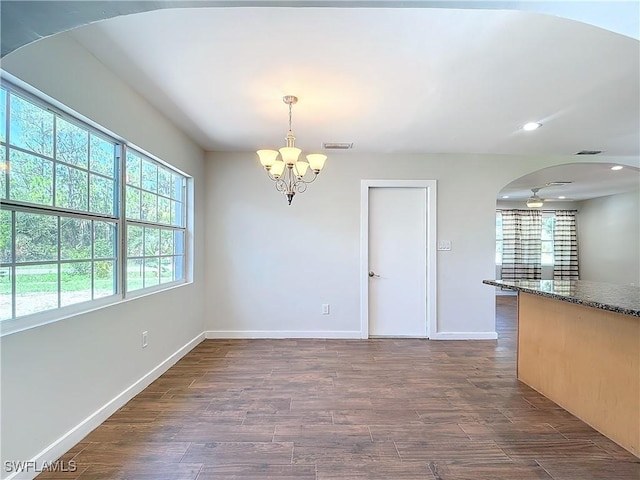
x=623 y=299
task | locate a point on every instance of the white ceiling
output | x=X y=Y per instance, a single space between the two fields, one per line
x=588 y=180
x=388 y=80
x=415 y=80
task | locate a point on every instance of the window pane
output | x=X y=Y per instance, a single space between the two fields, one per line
x=133 y=169
x=547 y=228
x=151 y=271
x=176 y=214
x=31 y=126
x=101 y=195
x=30 y=179
x=75 y=283
x=133 y=203
x=151 y=241
x=103 y=156
x=166 y=242
x=36 y=237
x=178 y=268
x=104 y=279
x=75 y=239
x=149 y=209
x=176 y=191
x=36 y=288
x=164 y=210
x=3 y=172
x=5 y=293
x=149 y=176
x=166 y=269
x=165 y=182
x=134 y=241
x=71 y=188
x=134 y=274
x=179 y=242
x=3 y=115
x=72 y=143
x=5 y=236
x=104 y=240
x=547 y=259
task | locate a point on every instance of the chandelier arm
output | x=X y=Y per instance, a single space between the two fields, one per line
x=281 y=186
x=272 y=178
x=315 y=175
x=299 y=186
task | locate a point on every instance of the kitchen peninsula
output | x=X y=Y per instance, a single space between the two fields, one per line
x=579 y=345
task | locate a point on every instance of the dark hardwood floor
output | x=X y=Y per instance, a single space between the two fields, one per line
x=347 y=409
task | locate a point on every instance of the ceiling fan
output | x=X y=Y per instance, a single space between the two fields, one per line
x=534 y=201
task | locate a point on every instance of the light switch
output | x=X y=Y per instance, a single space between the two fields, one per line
x=444 y=245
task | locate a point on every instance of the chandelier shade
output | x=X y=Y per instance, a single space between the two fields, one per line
x=316 y=161
x=267 y=157
x=284 y=167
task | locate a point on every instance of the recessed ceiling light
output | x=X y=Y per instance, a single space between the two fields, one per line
x=617 y=167
x=528 y=127
x=505 y=196
x=562 y=197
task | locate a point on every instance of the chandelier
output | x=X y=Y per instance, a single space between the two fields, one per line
x=289 y=173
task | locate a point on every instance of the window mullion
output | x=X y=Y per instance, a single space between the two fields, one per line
x=121 y=254
x=59 y=264
x=13 y=265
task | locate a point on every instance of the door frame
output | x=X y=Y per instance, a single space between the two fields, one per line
x=430 y=267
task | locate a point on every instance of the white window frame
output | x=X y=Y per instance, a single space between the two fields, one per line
x=17 y=324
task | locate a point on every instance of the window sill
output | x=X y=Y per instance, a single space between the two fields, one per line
x=9 y=327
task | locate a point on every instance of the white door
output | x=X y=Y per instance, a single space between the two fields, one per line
x=397 y=247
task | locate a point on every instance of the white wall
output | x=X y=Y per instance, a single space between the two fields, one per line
x=270 y=266
x=55 y=376
x=609 y=239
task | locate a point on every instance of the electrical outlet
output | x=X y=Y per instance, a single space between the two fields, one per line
x=145 y=339
x=325 y=309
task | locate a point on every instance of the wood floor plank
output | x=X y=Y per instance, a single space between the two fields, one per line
x=492 y=471
x=392 y=409
x=258 y=472
x=239 y=453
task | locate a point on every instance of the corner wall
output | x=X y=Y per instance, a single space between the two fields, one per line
x=608 y=231
x=57 y=375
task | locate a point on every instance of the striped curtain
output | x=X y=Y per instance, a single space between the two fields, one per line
x=565 y=246
x=521 y=246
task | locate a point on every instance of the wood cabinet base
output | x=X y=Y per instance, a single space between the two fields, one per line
x=586 y=360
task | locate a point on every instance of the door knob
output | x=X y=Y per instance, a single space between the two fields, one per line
x=373 y=274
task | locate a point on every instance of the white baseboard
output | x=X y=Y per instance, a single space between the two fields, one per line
x=464 y=336
x=279 y=334
x=77 y=433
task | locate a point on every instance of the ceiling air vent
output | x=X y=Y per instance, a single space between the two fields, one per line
x=589 y=152
x=337 y=145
